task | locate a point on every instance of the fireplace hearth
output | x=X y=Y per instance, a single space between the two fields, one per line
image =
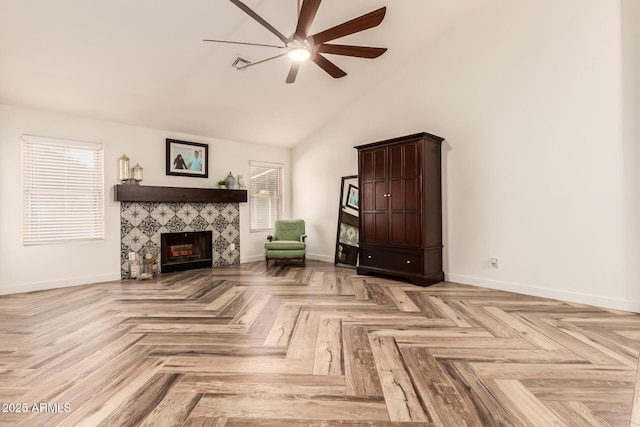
x=185 y=251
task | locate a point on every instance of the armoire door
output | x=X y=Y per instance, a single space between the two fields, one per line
x=373 y=196
x=404 y=194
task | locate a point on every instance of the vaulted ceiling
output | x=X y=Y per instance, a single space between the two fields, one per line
x=144 y=63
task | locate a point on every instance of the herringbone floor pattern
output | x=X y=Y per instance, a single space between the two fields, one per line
x=311 y=346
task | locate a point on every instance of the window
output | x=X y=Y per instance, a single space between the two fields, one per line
x=63 y=190
x=265 y=194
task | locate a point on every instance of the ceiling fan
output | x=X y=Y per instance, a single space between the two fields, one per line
x=301 y=46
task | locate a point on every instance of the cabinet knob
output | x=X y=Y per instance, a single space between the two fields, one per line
x=369 y=256
x=408 y=262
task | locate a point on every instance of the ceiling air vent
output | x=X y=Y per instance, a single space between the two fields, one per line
x=240 y=62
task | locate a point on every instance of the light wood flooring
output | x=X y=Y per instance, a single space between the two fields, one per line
x=311 y=346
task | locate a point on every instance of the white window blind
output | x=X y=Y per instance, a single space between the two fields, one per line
x=63 y=190
x=265 y=194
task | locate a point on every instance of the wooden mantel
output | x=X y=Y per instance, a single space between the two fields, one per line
x=146 y=193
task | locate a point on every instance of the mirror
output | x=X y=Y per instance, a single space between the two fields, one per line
x=348 y=235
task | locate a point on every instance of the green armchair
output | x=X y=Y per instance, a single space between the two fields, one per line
x=287 y=241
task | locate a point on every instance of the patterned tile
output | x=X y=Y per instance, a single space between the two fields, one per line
x=209 y=213
x=187 y=213
x=220 y=224
x=141 y=225
x=134 y=213
x=176 y=224
x=199 y=224
x=163 y=213
x=149 y=226
x=135 y=239
x=230 y=233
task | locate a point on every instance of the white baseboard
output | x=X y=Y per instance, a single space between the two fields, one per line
x=315 y=257
x=251 y=258
x=577 y=297
x=55 y=284
x=318 y=257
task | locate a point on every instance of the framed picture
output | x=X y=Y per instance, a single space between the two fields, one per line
x=352 y=197
x=187 y=158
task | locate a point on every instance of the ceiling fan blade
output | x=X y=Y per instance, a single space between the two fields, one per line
x=260 y=62
x=243 y=43
x=293 y=72
x=307 y=14
x=346 y=50
x=258 y=18
x=361 y=23
x=328 y=66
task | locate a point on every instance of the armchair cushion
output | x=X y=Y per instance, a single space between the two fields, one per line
x=285 y=244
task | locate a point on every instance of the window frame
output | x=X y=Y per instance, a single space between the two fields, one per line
x=279 y=197
x=62 y=185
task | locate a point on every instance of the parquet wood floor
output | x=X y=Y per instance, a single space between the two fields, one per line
x=311 y=346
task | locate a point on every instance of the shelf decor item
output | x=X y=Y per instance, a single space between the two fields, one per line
x=148 y=267
x=241 y=184
x=231 y=181
x=124 y=173
x=134 y=269
x=136 y=174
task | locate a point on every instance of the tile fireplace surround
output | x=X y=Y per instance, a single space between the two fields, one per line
x=142 y=223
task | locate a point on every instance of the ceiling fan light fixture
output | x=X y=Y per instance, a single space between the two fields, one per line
x=299 y=54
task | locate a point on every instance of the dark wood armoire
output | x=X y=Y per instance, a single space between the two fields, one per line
x=401 y=208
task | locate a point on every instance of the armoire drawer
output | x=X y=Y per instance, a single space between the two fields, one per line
x=397 y=261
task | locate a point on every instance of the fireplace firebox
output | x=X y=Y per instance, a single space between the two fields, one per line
x=185 y=251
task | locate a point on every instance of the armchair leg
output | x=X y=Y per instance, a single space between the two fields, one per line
x=304 y=257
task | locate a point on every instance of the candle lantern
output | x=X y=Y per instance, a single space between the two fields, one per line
x=136 y=173
x=148 y=267
x=123 y=168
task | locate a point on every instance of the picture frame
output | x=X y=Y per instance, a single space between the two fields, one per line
x=353 y=200
x=347 y=234
x=187 y=158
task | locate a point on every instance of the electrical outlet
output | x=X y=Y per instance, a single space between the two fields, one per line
x=132 y=256
x=494 y=262
x=232 y=247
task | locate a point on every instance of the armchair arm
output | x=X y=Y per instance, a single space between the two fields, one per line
x=304 y=236
x=270 y=238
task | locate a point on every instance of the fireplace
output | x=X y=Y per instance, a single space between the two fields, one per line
x=142 y=224
x=185 y=251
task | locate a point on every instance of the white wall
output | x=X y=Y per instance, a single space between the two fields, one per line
x=24 y=268
x=528 y=97
x=630 y=13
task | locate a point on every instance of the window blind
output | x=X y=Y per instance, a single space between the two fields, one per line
x=63 y=190
x=265 y=194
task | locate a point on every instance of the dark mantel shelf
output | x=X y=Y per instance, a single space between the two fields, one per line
x=144 y=193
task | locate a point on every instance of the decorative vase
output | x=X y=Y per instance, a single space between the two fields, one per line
x=231 y=181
